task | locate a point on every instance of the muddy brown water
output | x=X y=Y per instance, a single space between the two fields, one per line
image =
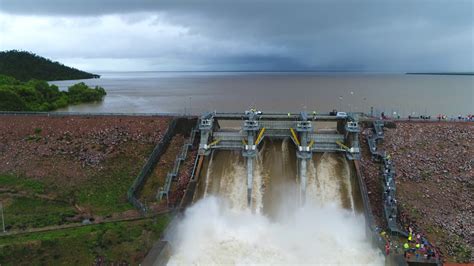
x=331 y=177
x=197 y=92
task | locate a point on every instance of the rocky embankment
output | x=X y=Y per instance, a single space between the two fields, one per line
x=435 y=182
x=41 y=146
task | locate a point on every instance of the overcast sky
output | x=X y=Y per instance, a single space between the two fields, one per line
x=349 y=35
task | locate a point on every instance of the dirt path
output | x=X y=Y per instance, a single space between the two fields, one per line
x=99 y=220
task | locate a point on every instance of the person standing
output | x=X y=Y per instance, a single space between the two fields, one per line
x=406 y=247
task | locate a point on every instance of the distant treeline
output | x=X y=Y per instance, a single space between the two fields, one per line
x=38 y=95
x=443 y=73
x=25 y=66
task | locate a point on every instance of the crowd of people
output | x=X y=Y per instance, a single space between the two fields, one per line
x=466 y=118
x=415 y=246
x=439 y=117
x=418 y=246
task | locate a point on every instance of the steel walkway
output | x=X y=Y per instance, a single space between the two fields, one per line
x=388 y=173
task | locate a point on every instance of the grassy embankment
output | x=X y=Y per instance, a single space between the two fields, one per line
x=31 y=203
x=114 y=242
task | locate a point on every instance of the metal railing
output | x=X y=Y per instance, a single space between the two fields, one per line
x=164 y=191
x=277 y=124
x=326 y=138
x=159 y=149
x=54 y=114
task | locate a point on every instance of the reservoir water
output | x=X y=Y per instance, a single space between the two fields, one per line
x=197 y=92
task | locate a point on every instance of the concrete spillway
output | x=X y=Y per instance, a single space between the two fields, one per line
x=221 y=229
x=329 y=180
x=274 y=177
x=300 y=128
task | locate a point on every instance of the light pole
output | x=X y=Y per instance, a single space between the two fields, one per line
x=3 y=219
x=190 y=106
x=364 y=103
x=352 y=100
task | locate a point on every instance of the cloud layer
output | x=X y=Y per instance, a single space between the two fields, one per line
x=366 y=35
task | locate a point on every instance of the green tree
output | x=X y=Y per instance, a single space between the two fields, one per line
x=10 y=101
x=7 y=80
x=80 y=92
x=38 y=95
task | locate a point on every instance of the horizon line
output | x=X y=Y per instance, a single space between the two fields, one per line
x=296 y=71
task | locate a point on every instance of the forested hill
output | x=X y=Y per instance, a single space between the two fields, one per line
x=25 y=66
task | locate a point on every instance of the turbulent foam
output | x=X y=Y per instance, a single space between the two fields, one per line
x=214 y=233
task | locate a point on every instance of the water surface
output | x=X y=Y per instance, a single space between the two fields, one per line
x=196 y=92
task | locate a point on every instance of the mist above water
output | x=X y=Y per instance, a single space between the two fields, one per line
x=220 y=229
x=213 y=233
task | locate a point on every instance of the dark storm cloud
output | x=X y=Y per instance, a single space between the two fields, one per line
x=261 y=62
x=366 y=35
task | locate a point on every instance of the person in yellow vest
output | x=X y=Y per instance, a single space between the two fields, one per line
x=417 y=245
x=409 y=237
x=406 y=247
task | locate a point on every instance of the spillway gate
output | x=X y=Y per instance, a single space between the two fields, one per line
x=300 y=128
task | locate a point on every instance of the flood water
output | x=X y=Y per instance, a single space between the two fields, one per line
x=197 y=92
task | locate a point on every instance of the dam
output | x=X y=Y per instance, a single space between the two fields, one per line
x=278 y=188
x=273 y=188
x=299 y=128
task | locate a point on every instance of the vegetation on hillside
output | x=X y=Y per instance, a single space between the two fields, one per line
x=124 y=242
x=25 y=66
x=30 y=203
x=38 y=95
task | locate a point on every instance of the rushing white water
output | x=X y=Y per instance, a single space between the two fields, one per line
x=220 y=229
x=233 y=184
x=258 y=184
x=348 y=184
x=209 y=172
